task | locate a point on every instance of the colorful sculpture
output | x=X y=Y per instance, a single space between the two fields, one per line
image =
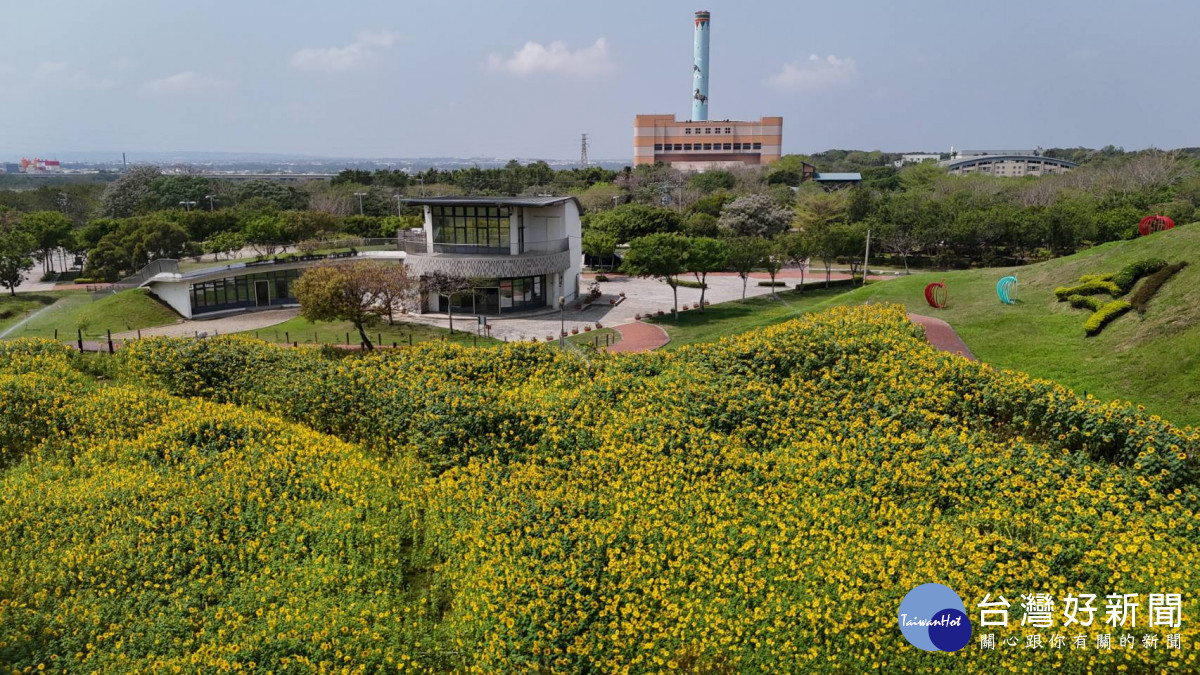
x=1155 y=223
x=1006 y=288
x=935 y=294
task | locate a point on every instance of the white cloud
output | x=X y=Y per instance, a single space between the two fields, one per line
x=186 y=82
x=337 y=59
x=815 y=74
x=60 y=73
x=555 y=58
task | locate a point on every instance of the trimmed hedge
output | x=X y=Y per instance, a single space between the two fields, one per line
x=1095 y=287
x=684 y=283
x=1085 y=302
x=776 y=284
x=1150 y=287
x=1104 y=315
x=1096 y=277
x=1127 y=277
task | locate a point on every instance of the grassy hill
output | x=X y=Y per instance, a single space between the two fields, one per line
x=1153 y=359
x=128 y=310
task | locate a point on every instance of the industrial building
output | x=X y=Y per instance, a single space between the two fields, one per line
x=1009 y=165
x=699 y=143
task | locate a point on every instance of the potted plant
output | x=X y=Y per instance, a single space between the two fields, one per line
x=587 y=328
x=637 y=317
x=621 y=294
x=574 y=331
x=599 y=325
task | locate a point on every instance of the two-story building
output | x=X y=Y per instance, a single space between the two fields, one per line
x=520 y=253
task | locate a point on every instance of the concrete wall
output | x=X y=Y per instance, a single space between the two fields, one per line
x=176 y=294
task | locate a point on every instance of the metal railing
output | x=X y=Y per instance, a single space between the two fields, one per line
x=417 y=245
x=151 y=270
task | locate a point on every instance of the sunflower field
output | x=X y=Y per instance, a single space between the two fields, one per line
x=759 y=504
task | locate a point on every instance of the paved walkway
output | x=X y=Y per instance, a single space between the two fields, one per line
x=942 y=336
x=639 y=336
x=236 y=323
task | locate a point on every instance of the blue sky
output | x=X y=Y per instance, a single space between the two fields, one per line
x=525 y=78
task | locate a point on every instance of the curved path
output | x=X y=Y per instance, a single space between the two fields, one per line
x=942 y=336
x=639 y=336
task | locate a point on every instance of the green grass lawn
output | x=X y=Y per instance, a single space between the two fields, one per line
x=304 y=331
x=128 y=310
x=1152 y=360
x=728 y=318
x=597 y=337
x=14 y=308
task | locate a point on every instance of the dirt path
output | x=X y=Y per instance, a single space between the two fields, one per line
x=942 y=336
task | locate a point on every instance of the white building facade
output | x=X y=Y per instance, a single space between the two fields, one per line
x=520 y=253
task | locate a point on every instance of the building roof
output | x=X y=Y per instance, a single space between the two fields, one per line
x=491 y=201
x=837 y=176
x=988 y=159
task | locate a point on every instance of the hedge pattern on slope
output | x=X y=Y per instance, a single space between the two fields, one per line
x=1149 y=288
x=691 y=510
x=1116 y=285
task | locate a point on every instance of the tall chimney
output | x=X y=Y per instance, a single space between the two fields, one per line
x=700 y=68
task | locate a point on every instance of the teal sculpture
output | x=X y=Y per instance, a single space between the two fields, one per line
x=1006 y=288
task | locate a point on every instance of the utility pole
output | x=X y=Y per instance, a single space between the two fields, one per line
x=867 y=257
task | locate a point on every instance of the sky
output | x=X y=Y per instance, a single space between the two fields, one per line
x=388 y=78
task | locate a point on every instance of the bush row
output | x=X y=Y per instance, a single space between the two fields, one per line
x=1105 y=315
x=1150 y=286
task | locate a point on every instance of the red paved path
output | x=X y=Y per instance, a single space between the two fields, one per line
x=942 y=336
x=639 y=337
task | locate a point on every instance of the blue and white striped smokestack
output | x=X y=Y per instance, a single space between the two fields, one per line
x=700 y=68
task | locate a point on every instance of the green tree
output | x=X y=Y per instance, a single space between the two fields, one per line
x=701 y=225
x=168 y=192
x=350 y=292
x=745 y=254
x=599 y=244
x=50 y=230
x=353 y=177
x=797 y=247
x=282 y=197
x=711 y=181
x=711 y=204
x=661 y=256
x=15 y=247
x=755 y=216
x=630 y=221
x=705 y=255
x=264 y=233
x=224 y=243
x=123 y=196
x=445 y=285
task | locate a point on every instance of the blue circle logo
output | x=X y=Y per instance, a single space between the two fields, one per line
x=933 y=618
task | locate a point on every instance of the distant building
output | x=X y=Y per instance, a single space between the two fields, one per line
x=916 y=158
x=837 y=181
x=36 y=165
x=700 y=143
x=11 y=167
x=694 y=145
x=1007 y=165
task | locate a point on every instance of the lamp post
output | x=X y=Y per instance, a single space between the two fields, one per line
x=398 y=198
x=562 y=320
x=187 y=205
x=421 y=180
x=210 y=201
x=360 y=195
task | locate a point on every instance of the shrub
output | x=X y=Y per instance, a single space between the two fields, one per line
x=1103 y=316
x=685 y=283
x=1129 y=275
x=7 y=314
x=1150 y=286
x=85 y=280
x=1085 y=302
x=601 y=277
x=770 y=284
x=1096 y=277
x=1087 y=288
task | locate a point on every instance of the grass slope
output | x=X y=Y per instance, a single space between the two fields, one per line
x=1153 y=359
x=14 y=308
x=128 y=310
x=728 y=318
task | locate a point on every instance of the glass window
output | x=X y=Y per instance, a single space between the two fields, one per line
x=708 y=146
x=479 y=229
x=678 y=147
x=727 y=146
x=687 y=130
x=687 y=146
x=737 y=146
x=728 y=130
x=658 y=146
x=758 y=146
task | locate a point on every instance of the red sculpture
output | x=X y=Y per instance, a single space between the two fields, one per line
x=935 y=294
x=1152 y=224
